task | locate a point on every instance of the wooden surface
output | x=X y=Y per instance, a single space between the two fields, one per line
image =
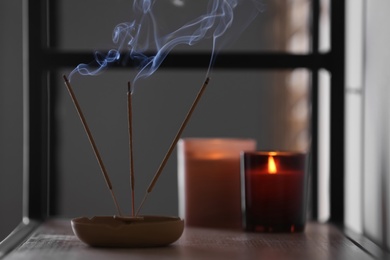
x=55 y=240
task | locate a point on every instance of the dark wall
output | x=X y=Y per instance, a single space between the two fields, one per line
x=11 y=121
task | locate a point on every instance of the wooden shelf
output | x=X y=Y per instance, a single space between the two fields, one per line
x=54 y=239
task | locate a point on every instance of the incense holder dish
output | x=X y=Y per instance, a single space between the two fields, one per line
x=111 y=231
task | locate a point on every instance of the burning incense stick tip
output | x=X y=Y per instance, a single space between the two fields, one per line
x=65 y=78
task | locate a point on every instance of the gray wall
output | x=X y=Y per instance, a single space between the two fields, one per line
x=11 y=143
x=376 y=218
x=236 y=104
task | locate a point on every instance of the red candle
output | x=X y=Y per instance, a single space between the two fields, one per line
x=209 y=181
x=274 y=191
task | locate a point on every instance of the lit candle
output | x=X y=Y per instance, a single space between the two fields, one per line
x=274 y=191
x=209 y=181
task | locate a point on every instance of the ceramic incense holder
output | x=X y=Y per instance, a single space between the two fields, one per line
x=111 y=231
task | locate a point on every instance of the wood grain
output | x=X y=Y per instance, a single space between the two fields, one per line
x=55 y=240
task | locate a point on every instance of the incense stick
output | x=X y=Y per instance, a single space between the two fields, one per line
x=92 y=142
x=130 y=123
x=173 y=144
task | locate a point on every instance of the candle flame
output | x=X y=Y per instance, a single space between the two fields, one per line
x=271 y=165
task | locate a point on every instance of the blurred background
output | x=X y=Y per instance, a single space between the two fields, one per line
x=271 y=106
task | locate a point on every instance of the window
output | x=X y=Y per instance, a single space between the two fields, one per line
x=63 y=34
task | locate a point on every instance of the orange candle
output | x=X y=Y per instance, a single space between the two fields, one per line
x=274 y=191
x=209 y=181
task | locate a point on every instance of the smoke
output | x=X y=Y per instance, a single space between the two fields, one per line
x=145 y=42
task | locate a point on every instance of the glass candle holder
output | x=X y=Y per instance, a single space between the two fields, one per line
x=209 y=181
x=274 y=188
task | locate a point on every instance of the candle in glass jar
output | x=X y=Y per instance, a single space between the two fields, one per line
x=274 y=191
x=209 y=181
